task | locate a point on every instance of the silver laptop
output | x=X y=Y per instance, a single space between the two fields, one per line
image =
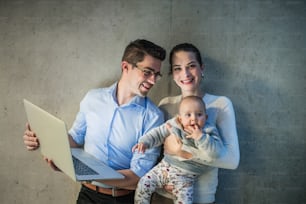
x=54 y=144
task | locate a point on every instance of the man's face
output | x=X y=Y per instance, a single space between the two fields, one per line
x=144 y=75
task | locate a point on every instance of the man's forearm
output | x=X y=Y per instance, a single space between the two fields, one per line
x=129 y=182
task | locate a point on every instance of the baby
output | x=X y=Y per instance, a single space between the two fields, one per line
x=190 y=126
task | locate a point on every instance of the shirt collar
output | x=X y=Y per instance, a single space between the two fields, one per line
x=136 y=100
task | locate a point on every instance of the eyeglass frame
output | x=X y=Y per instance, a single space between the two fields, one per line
x=148 y=72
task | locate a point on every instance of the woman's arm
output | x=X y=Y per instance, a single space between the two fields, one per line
x=210 y=146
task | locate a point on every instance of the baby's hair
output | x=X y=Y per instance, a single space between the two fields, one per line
x=194 y=98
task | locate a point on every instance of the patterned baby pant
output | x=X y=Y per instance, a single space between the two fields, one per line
x=165 y=174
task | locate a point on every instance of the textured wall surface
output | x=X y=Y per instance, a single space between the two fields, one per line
x=52 y=52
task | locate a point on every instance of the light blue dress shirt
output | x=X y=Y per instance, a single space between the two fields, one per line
x=109 y=131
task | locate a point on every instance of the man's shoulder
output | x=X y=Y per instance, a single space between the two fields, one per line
x=152 y=107
x=95 y=91
x=101 y=90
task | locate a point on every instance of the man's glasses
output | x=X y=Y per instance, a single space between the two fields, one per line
x=148 y=72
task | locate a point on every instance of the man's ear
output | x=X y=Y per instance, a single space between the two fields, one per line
x=124 y=66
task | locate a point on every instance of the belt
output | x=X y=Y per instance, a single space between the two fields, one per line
x=108 y=191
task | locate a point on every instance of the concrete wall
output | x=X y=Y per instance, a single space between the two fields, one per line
x=53 y=51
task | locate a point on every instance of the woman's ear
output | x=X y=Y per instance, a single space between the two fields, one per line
x=202 y=70
x=202 y=67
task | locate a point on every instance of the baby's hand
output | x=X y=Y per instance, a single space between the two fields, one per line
x=195 y=133
x=140 y=147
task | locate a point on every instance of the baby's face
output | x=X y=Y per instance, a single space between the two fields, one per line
x=191 y=113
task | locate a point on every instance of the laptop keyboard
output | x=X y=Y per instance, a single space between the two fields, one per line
x=81 y=168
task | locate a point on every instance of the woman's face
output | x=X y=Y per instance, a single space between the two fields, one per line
x=186 y=71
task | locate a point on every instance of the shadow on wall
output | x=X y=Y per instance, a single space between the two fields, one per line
x=271 y=151
x=220 y=79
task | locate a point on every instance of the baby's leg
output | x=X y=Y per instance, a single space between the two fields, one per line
x=183 y=194
x=147 y=185
x=183 y=187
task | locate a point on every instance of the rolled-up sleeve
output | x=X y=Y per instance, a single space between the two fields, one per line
x=78 y=129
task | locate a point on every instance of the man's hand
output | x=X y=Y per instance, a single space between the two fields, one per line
x=51 y=164
x=29 y=138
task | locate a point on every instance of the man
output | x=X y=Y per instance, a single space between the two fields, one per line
x=116 y=117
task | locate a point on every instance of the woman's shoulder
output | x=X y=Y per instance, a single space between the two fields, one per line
x=169 y=105
x=170 y=100
x=217 y=101
x=208 y=98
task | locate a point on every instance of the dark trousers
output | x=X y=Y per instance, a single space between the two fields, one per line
x=88 y=196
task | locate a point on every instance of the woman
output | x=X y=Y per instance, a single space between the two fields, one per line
x=188 y=71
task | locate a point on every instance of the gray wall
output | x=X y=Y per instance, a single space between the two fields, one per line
x=53 y=51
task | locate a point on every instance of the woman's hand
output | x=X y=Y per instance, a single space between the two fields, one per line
x=29 y=138
x=172 y=144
